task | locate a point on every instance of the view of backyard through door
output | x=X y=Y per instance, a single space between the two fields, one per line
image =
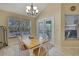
x=45 y=29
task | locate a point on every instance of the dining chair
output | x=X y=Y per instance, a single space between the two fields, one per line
x=23 y=51
x=41 y=50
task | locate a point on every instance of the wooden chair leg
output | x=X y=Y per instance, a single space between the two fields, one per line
x=39 y=51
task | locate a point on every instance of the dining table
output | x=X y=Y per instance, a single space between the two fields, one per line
x=34 y=44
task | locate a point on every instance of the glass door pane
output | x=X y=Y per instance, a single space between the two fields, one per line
x=46 y=28
x=41 y=29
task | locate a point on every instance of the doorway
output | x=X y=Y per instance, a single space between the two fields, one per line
x=45 y=29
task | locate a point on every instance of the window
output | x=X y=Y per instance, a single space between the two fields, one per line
x=18 y=27
x=71 y=27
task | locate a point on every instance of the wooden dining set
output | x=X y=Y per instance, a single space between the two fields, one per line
x=35 y=48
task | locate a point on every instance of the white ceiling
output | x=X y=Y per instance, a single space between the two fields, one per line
x=19 y=8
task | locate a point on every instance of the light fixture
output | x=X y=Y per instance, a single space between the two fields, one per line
x=31 y=10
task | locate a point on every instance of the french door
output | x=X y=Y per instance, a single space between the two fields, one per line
x=45 y=28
